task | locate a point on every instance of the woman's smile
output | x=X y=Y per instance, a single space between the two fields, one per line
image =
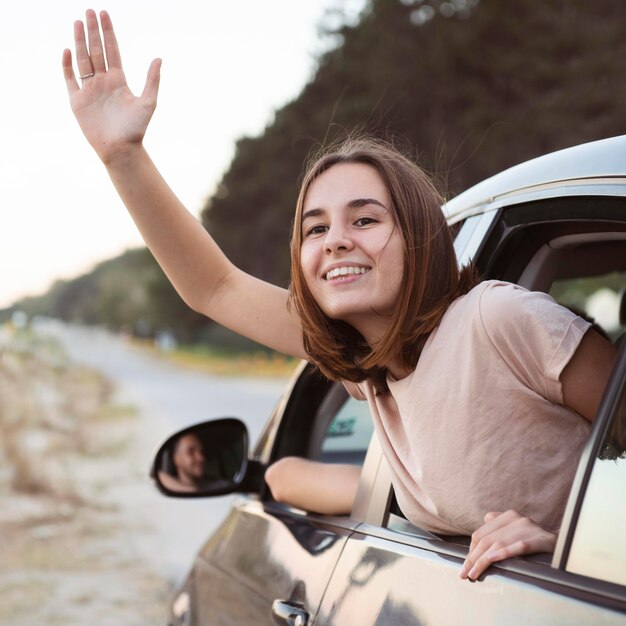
x=345 y=273
x=352 y=254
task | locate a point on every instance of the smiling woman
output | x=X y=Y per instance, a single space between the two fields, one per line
x=378 y=301
x=357 y=207
x=348 y=274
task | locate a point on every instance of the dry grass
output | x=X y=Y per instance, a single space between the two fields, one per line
x=219 y=362
x=64 y=549
x=49 y=410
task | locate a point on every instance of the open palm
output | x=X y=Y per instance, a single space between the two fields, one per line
x=111 y=117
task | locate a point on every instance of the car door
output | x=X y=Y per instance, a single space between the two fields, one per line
x=269 y=561
x=391 y=572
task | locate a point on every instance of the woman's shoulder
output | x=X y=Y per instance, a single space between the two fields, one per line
x=497 y=290
x=492 y=289
x=492 y=294
x=505 y=310
x=502 y=302
x=519 y=320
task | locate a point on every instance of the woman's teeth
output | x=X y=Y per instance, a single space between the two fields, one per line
x=344 y=271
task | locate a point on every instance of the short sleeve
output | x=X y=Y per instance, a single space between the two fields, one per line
x=535 y=336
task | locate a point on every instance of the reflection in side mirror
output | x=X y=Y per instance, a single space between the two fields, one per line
x=210 y=458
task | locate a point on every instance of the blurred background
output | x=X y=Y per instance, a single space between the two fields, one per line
x=249 y=90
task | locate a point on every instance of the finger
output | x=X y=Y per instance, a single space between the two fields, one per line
x=495 y=523
x=95 y=43
x=538 y=540
x=82 y=55
x=479 y=533
x=497 y=552
x=486 y=535
x=111 y=48
x=151 y=88
x=68 y=72
x=520 y=536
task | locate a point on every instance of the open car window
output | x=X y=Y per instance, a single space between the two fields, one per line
x=343 y=429
x=348 y=434
x=598 y=298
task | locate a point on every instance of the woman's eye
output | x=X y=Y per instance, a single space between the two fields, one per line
x=364 y=221
x=316 y=230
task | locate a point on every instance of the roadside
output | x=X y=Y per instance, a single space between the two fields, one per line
x=85 y=536
x=258 y=364
x=74 y=537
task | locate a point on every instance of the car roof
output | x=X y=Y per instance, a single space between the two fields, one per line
x=604 y=159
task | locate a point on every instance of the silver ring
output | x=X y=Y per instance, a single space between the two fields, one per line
x=87 y=75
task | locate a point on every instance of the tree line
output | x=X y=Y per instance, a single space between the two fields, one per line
x=468 y=87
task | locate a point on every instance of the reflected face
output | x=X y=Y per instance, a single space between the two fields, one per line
x=188 y=458
x=352 y=253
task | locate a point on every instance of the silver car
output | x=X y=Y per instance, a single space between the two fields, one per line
x=555 y=224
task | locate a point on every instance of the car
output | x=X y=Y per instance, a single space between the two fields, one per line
x=555 y=224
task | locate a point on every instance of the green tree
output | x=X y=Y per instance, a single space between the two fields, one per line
x=469 y=87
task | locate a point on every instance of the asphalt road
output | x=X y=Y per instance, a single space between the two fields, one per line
x=168 y=397
x=176 y=394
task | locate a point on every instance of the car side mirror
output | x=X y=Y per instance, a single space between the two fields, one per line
x=207 y=459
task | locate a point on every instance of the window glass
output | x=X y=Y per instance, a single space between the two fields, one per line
x=348 y=435
x=599 y=544
x=597 y=297
x=462 y=232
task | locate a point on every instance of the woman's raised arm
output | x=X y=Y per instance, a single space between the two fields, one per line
x=114 y=121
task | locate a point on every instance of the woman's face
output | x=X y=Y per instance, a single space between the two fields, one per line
x=352 y=253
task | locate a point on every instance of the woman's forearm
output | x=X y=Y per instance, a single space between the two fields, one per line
x=324 y=488
x=114 y=122
x=203 y=276
x=182 y=247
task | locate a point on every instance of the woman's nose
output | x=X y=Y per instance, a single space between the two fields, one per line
x=337 y=239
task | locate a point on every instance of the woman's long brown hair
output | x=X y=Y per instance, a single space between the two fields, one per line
x=431 y=277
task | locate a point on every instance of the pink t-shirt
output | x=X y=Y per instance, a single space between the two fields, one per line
x=480 y=424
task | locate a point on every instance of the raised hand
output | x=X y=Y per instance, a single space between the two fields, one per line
x=113 y=120
x=502 y=536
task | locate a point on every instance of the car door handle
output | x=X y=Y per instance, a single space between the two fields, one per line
x=289 y=614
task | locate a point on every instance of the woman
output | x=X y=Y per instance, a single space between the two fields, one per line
x=377 y=301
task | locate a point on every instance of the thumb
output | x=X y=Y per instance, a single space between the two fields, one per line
x=151 y=88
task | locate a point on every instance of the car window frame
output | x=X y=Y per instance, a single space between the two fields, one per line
x=613 y=393
x=334 y=402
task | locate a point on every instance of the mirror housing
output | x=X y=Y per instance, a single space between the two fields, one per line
x=206 y=459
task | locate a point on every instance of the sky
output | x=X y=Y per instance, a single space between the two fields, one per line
x=227 y=66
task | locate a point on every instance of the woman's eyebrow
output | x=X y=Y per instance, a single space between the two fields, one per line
x=359 y=202
x=353 y=204
x=312 y=213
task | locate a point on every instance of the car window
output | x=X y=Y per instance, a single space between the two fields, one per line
x=598 y=297
x=348 y=434
x=598 y=547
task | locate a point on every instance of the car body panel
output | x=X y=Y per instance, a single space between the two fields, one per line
x=381 y=581
x=259 y=555
x=576 y=169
